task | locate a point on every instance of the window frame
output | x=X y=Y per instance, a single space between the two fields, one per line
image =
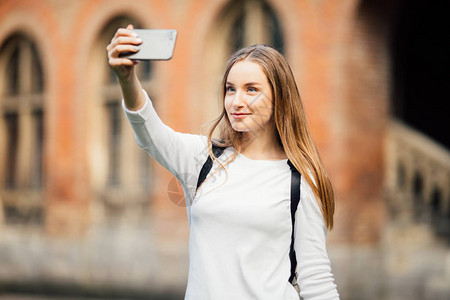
x=22 y=195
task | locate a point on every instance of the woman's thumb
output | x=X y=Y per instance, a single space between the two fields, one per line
x=130 y=26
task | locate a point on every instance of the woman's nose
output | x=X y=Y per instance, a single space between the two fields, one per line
x=238 y=101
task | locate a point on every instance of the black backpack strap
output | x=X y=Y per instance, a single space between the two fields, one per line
x=208 y=164
x=295 y=199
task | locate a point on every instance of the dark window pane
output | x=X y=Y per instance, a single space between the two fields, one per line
x=276 y=35
x=114 y=114
x=12 y=127
x=16 y=215
x=238 y=32
x=146 y=69
x=12 y=74
x=36 y=170
x=37 y=74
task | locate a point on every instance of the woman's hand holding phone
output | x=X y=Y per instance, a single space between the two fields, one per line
x=124 y=41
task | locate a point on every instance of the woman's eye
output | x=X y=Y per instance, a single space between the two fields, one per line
x=230 y=89
x=252 y=90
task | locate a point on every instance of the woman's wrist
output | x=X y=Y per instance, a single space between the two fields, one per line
x=132 y=92
x=127 y=78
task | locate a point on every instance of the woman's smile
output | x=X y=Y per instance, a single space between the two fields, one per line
x=239 y=115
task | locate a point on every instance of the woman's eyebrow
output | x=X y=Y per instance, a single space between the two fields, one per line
x=252 y=83
x=246 y=84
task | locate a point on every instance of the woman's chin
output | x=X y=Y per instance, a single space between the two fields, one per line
x=240 y=127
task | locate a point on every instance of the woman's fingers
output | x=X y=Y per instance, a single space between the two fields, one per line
x=117 y=50
x=124 y=32
x=124 y=40
x=117 y=62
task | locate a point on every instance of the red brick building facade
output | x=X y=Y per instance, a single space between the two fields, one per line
x=64 y=111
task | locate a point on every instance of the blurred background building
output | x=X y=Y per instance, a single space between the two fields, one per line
x=84 y=212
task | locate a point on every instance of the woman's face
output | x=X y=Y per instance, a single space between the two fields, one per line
x=248 y=98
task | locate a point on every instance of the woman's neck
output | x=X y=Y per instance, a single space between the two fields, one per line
x=262 y=145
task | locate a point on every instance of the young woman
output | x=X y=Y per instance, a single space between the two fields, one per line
x=240 y=217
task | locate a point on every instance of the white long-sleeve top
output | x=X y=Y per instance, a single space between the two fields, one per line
x=240 y=222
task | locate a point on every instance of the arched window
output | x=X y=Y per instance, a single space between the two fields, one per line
x=22 y=123
x=126 y=171
x=253 y=22
x=244 y=23
x=241 y=23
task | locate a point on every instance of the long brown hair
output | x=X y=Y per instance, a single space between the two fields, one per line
x=290 y=121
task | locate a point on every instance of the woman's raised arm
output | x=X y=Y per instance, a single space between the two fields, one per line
x=125 y=40
x=180 y=153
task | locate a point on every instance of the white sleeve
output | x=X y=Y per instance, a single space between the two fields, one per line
x=313 y=265
x=181 y=153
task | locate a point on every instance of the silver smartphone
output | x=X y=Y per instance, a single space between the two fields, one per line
x=157 y=44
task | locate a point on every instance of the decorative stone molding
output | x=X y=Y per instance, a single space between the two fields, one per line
x=418 y=178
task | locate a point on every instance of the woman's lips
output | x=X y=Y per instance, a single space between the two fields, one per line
x=239 y=115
